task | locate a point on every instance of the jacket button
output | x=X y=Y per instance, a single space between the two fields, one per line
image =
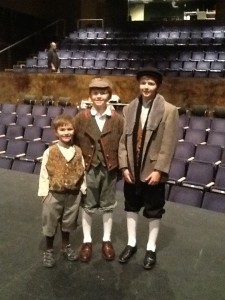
x=107 y=155
x=89 y=155
x=92 y=146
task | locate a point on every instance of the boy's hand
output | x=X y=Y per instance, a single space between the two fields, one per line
x=83 y=189
x=128 y=176
x=153 y=178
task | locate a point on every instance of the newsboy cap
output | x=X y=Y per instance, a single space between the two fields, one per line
x=100 y=83
x=150 y=71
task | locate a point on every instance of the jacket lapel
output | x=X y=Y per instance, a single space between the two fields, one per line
x=107 y=126
x=92 y=128
x=154 y=118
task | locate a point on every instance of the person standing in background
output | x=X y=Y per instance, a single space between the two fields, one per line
x=53 y=58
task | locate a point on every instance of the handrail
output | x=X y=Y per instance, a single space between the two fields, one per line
x=35 y=33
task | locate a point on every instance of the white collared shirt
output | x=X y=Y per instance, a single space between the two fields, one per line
x=144 y=112
x=101 y=118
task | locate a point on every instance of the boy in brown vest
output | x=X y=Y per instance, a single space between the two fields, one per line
x=98 y=131
x=61 y=183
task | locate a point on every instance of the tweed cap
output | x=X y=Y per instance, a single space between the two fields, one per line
x=150 y=71
x=100 y=83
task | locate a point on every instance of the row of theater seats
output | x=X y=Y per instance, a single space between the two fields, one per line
x=186 y=55
x=157 y=28
x=198 y=124
x=25 y=131
x=11 y=112
x=129 y=67
x=196 y=174
x=186 y=64
x=182 y=37
x=22 y=155
x=23 y=143
x=109 y=51
x=197 y=171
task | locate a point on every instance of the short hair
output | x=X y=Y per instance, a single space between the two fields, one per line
x=62 y=120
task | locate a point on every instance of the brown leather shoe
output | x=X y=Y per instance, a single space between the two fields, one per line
x=108 y=252
x=85 y=252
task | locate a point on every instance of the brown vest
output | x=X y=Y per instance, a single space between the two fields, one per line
x=64 y=175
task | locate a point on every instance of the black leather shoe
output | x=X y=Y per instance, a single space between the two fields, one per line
x=149 y=260
x=127 y=253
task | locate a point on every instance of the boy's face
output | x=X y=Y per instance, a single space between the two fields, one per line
x=99 y=97
x=65 y=133
x=148 y=87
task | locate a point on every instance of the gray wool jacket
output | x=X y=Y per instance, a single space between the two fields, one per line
x=160 y=138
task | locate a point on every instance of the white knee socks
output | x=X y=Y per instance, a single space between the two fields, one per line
x=107 y=226
x=132 y=219
x=86 y=225
x=154 y=225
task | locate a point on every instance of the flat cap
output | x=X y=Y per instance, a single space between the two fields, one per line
x=100 y=83
x=150 y=71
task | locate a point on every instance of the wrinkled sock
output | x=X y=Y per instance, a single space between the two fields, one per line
x=154 y=226
x=132 y=219
x=107 y=226
x=86 y=226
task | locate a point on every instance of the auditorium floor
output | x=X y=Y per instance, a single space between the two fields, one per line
x=191 y=255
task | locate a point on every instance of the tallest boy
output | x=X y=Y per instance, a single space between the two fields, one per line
x=145 y=153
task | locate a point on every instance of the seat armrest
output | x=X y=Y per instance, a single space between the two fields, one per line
x=210 y=184
x=181 y=179
x=55 y=141
x=21 y=154
x=190 y=158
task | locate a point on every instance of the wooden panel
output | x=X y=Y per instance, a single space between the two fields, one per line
x=179 y=91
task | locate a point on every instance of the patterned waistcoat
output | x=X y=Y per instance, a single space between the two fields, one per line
x=64 y=175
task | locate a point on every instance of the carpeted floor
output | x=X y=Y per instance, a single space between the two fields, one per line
x=191 y=255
